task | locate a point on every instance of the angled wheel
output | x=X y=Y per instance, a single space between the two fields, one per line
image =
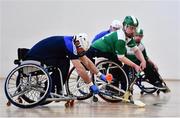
x=28 y=82
x=147 y=87
x=119 y=84
x=142 y=83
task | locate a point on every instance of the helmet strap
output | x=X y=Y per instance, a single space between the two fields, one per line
x=74 y=37
x=125 y=27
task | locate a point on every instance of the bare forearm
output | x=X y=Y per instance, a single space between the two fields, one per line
x=81 y=71
x=84 y=75
x=139 y=55
x=90 y=65
x=127 y=61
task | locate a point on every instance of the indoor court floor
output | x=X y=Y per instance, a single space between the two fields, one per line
x=164 y=105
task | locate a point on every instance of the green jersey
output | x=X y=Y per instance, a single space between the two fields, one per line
x=114 y=43
x=130 y=54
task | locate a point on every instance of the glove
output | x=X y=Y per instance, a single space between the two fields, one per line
x=103 y=77
x=94 y=89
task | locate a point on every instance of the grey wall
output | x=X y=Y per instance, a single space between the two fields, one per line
x=25 y=22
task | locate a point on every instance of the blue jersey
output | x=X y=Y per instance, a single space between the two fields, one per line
x=56 y=47
x=98 y=36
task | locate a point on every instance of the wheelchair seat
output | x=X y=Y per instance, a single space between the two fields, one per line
x=22 y=52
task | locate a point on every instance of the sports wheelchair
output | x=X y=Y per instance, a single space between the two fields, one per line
x=30 y=84
x=105 y=67
x=82 y=90
x=114 y=91
x=145 y=85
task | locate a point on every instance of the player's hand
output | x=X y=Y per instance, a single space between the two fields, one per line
x=143 y=65
x=137 y=68
x=94 y=89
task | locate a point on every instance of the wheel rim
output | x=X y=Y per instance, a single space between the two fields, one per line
x=28 y=82
x=76 y=86
x=107 y=67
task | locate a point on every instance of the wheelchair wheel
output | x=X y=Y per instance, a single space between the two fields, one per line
x=146 y=87
x=51 y=70
x=76 y=85
x=118 y=86
x=28 y=82
x=142 y=83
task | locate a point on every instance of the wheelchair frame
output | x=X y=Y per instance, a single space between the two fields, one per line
x=141 y=82
x=25 y=79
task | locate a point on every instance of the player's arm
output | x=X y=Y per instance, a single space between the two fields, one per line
x=137 y=53
x=120 y=47
x=125 y=60
x=81 y=70
x=90 y=66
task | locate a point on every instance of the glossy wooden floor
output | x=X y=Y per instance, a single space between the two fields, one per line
x=164 y=105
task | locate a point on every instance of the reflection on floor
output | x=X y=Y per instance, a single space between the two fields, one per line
x=164 y=105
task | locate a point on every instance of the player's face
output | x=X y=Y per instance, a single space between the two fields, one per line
x=130 y=31
x=138 y=38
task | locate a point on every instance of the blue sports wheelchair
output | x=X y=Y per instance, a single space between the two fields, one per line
x=30 y=84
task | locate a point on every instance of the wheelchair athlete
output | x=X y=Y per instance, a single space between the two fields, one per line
x=57 y=51
x=113 y=45
x=151 y=70
x=115 y=25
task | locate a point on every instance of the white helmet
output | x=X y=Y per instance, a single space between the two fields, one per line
x=83 y=41
x=116 y=24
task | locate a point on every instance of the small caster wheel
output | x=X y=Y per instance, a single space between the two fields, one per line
x=71 y=103
x=19 y=100
x=141 y=92
x=130 y=98
x=95 y=99
x=67 y=104
x=8 y=103
x=158 y=92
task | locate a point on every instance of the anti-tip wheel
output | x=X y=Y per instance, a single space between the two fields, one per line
x=8 y=103
x=158 y=92
x=141 y=92
x=67 y=104
x=95 y=99
x=71 y=103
